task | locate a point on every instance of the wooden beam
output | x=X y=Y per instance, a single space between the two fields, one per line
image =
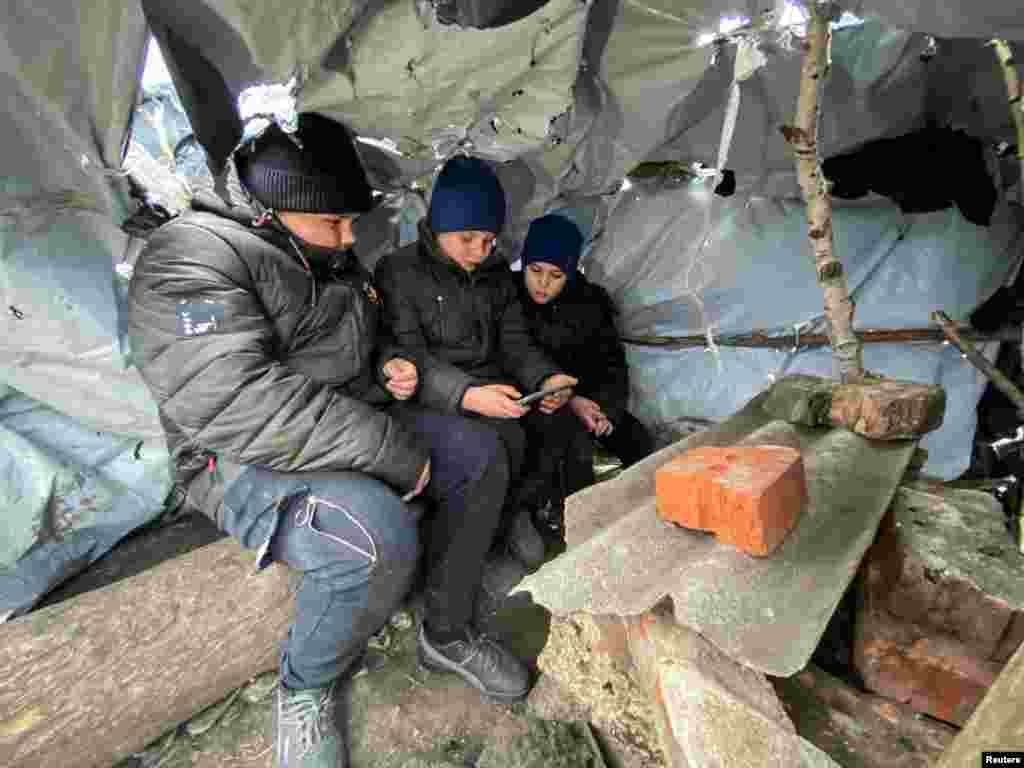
x=996 y=724
x=91 y=680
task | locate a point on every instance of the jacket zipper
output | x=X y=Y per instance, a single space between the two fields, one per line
x=309 y=271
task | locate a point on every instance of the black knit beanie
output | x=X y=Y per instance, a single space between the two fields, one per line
x=314 y=170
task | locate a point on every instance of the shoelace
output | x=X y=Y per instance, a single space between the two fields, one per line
x=303 y=710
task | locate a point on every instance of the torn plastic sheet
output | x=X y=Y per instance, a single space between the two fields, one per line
x=680 y=260
x=511 y=81
x=69 y=494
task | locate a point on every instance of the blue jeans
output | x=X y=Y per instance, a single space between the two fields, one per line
x=357 y=545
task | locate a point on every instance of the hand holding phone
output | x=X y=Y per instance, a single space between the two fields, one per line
x=542 y=393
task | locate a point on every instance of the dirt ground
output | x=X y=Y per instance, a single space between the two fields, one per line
x=398 y=715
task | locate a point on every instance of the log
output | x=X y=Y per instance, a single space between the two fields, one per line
x=996 y=724
x=91 y=680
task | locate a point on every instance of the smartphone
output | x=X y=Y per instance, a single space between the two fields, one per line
x=542 y=393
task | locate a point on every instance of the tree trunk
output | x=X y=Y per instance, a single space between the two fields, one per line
x=839 y=308
x=996 y=724
x=88 y=681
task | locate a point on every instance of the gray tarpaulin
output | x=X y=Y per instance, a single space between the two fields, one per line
x=71 y=414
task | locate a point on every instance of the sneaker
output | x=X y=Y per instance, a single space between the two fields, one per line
x=306 y=735
x=481 y=662
x=524 y=542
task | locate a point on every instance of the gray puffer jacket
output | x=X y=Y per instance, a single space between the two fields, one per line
x=258 y=353
x=463 y=329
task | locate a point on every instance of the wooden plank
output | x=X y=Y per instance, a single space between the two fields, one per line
x=996 y=724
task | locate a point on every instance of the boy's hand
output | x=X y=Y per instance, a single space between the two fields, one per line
x=495 y=400
x=402 y=378
x=590 y=414
x=552 y=403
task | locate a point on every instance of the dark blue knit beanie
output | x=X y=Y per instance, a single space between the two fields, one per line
x=467 y=196
x=556 y=240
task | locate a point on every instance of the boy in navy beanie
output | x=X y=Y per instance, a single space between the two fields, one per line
x=455 y=302
x=467 y=197
x=574 y=322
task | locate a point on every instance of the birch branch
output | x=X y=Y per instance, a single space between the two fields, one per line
x=1014 y=93
x=839 y=307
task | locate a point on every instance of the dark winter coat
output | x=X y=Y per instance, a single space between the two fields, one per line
x=577 y=330
x=465 y=329
x=259 y=354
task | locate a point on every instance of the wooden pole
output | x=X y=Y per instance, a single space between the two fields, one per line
x=996 y=724
x=996 y=376
x=89 y=681
x=839 y=307
x=757 y=339
x=1014 y=92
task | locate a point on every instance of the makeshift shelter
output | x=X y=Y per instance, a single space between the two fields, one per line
x=567 y=98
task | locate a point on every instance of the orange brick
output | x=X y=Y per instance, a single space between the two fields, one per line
x=750 y=497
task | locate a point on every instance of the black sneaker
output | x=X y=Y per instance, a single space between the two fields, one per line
x=481 y=662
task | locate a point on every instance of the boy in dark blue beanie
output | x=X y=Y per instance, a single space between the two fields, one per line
x=454 y=302
x=467 y=197
x=574 y=322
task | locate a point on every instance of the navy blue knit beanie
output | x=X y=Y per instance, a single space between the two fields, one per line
x=318 y=171
x=466 y=196
x=556 y=240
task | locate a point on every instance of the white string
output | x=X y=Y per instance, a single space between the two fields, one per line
x=713 y=347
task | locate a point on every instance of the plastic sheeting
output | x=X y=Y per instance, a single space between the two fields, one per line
x=68 y=494
x=72 y=416
x=70 y=80
x=512 y=82
x=694 y=261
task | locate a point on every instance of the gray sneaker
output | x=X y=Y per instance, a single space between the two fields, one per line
x=481 y=662
x=306 y=735
x=524 y=542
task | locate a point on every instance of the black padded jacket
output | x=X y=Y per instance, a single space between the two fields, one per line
x=261 y=352
x=464 y=329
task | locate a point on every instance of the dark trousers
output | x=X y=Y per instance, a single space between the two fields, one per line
x=470 y=474
x=629 y=441
x=356 y=544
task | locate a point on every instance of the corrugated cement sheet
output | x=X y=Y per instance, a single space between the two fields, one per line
x=768 y=613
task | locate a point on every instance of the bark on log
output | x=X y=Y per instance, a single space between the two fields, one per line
x=89 y=681
x=996 y=724
x=839 y=308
